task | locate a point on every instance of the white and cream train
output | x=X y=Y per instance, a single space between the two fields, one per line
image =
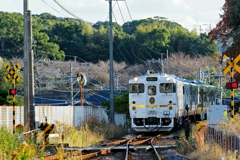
x=161 y=102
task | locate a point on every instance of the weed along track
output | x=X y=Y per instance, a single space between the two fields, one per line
x=131 y=147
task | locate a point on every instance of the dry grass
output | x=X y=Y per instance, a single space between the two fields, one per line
x=196 y=148
x=89 y=134
x=232 y=125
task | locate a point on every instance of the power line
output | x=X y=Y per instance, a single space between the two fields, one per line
x=72 y=13
x=128 y=10
x=54 y=8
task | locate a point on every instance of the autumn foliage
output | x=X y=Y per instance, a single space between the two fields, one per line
x=227 y=30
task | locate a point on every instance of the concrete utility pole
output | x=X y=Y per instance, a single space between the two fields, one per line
x=111 y=83
x=29 y=105
x=161 y=61
x=26 y=81
x=111 y=64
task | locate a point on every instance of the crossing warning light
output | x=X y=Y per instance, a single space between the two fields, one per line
x=232 y=85
x=12 y=91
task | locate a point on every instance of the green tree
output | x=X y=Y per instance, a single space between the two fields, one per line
x=202 y=45
x=44 y=48
x=11 y=34
x=121 y=104
x=70 y=37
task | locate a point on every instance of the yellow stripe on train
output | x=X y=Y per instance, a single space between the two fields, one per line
x=140 y=106
x=150 y=106
x=163 y=105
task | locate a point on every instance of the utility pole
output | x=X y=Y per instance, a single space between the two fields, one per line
x=160 y=60
x=209 y=27
x=111 y=64
x=31 y=74
x=162 y=66
x=111 y=83
x=26 y=70
x=200 y=28
x=71 y=84
x=29 y=105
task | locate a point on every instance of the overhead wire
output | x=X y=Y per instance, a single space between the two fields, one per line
x=132 y=20
x=132 y=54
x=68 y=81
x=115 y=42
x=71 y=13
x=128 y=9
x=54 y=8
x=125 y=59
x=134 y=43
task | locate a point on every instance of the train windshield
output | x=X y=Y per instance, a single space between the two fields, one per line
x=136 y=88
x=151 y=90
x=167 y=88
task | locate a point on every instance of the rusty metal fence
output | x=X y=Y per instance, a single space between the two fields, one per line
x=226 y=140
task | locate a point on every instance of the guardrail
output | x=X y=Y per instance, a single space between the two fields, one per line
x=226 y=140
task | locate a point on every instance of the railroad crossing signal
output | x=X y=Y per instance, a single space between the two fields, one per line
x=232 y=65
x=232 y=85
x=11 y=72
x=13 y=91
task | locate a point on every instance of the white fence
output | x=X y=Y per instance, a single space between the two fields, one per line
x=71 y=115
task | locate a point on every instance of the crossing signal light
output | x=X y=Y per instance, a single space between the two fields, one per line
x=12 y=91
x=232 y=85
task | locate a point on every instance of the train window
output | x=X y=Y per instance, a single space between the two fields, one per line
x=167 y=88
x=151 y=90
x=136 y=88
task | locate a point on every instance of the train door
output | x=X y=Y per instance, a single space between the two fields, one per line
x=151 y=95
x=193 y=103
x=180 y=98
x=187 y=98
x=151 y=105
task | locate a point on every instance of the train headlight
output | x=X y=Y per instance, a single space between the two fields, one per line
x=170 y=107
x=166 y=113
x=134 y=108
x=135 y=79
x=167 y=79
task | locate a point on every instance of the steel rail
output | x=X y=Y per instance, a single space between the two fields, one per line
x=128 y=145
x=154 y=148
x=116 y=142
x=132 y=143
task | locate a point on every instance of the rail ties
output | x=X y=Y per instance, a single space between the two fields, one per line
x=140 y=140
x=131 y=148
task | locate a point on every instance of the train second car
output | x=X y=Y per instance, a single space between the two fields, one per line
x=161 y=102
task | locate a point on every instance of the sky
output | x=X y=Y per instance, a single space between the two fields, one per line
x=199 y=14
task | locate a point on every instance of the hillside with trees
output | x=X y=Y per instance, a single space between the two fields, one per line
x=57 y=38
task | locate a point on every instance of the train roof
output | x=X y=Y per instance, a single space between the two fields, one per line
x=151 y=73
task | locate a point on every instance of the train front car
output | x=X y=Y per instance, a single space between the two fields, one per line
x=153 y=102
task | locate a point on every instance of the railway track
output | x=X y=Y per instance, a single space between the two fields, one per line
x=125 y=149
x=139 y=141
